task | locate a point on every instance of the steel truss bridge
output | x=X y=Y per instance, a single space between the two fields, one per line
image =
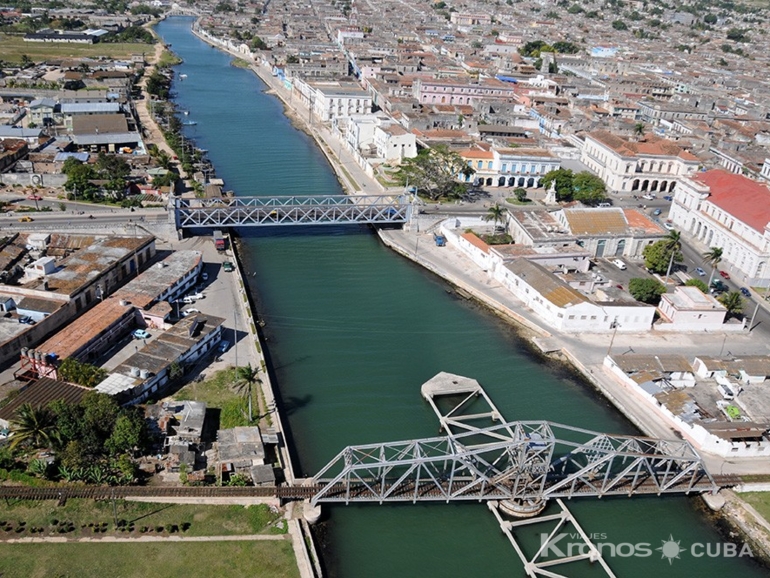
x=522 y=464
x=277 y=211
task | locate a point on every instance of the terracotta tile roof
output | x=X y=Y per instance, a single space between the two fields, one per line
x=549 y=286
x=475 y=241
x=649 y=145
x=476 y=154
x=746 y=200
x=638 y=220
x=596 y=221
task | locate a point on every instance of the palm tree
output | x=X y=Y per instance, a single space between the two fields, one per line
x=674 y=244
x=639 y=128
x=35 y=426
x=713 y=257
x=245 y=378
x=732 y=301
x=495 y=213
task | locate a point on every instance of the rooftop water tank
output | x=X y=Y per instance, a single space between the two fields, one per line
x=144 y=374
x=134 y=372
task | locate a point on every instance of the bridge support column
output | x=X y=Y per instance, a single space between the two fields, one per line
x=311 y=513
x=522 y=508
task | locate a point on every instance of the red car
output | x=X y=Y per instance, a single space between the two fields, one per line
x=725 y=274
x=35 y=198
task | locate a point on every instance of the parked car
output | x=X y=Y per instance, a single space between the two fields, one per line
x=657 y=212
x=648 y=197
x=605 y=205
x=669 y=226
x=718 y=287
x=197 y=295
x=700 y=271
x=26 y=219
x=725 y=274
x=27 y=320
x=35 y=198
x=205 y=276
x=228 y=267
x=187 y=300
x=619 y=264
x=190 y=311
x=223 y=346
x=140 y=334
x=668 y=198
x=746 y=292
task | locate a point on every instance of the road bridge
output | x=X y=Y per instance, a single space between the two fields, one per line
x=292 y=210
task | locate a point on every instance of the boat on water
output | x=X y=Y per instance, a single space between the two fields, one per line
x=182 y=76
x=189 y=123
x=186 y=112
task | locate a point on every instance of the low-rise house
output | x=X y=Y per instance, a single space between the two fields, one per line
x=689 y=309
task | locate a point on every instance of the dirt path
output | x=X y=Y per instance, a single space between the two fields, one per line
x=61 y=540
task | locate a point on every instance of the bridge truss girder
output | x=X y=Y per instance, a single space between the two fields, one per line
x=282 y=211
x=520 y=461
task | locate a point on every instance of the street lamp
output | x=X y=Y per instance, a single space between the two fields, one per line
x=614 y=326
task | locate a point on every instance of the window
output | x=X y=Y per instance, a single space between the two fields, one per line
x=489 y=164
x=571 y=317
x=505 y=167
x=479 y=164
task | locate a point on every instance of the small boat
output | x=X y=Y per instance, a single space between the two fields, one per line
x=189 y=123
x=186 y=112
x=182 y=76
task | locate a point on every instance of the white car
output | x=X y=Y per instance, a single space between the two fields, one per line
x=190 y=311
x=619 y=264
x=648 y=197
x=195 y=296
x=669 y=226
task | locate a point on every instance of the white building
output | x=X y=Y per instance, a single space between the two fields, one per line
x=380 y=136
x=650 y=164
x=689 y=309
x=330 y=100
x=567 y=309
x=612 y=232
x=731 y=212
x=509 y=167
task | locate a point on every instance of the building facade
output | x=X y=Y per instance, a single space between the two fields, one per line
x=650 y=164
x=731 y=212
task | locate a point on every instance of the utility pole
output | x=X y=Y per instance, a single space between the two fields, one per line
x=753 y=316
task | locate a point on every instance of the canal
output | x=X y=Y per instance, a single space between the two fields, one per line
x=353 y=330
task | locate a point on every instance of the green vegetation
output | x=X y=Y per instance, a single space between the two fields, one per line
x=733 y=302
x=80 y=176
x=646 y=290
x=167 y=60
x=91 y=440
x=190 y=519
x=699 y=284
x=619 y=25
x=81 y=373
x=132 y=34
x=218 y=392
x=13 y=48
x=127 y=560
x=433 y=172
x=497 y=214
x=583 y=186
x=659 y=257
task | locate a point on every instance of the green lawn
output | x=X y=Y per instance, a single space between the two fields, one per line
x=169 y=560
x=12 y=47
x=760 y=501
x=78 y=514
x=217 y=392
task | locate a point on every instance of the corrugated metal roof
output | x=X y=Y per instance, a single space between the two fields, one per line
x=596 y=221
x=41 y=393
x=550 y=287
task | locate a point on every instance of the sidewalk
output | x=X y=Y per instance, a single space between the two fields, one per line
x=585 y=351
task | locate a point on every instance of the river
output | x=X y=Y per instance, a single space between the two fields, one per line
x=353 y=330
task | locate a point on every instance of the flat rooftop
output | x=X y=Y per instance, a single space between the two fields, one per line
x=145 y=289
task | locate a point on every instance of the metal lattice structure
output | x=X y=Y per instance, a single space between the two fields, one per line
x=526 y=462
x=281 y=211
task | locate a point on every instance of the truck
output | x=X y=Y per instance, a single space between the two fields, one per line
x=440 y=240
x=220 y=241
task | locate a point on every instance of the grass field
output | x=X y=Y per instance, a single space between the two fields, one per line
x=169 y=560
x=12 y=47
x=760 y=501
x=217 y=391
x=200 y=520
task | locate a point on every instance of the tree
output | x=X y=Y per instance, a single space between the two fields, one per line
x=710 y=18
x=658 y=255
x=129 y=432
x=737 y=35
x=496 y=213
x=673 y=243
x=563 y=179
x=588 y=188
x=619 y=25
x=521 y=194
x=713 y=257
x=565 y=47
x=79 y=177
x=434 y=172
x=732 y=301
x=245 y=378
x=699 y=284
x=646 y=290
x=83 y=374
x=34 y=426
x=639 y=129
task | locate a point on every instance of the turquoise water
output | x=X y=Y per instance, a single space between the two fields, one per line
x=353 y=330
